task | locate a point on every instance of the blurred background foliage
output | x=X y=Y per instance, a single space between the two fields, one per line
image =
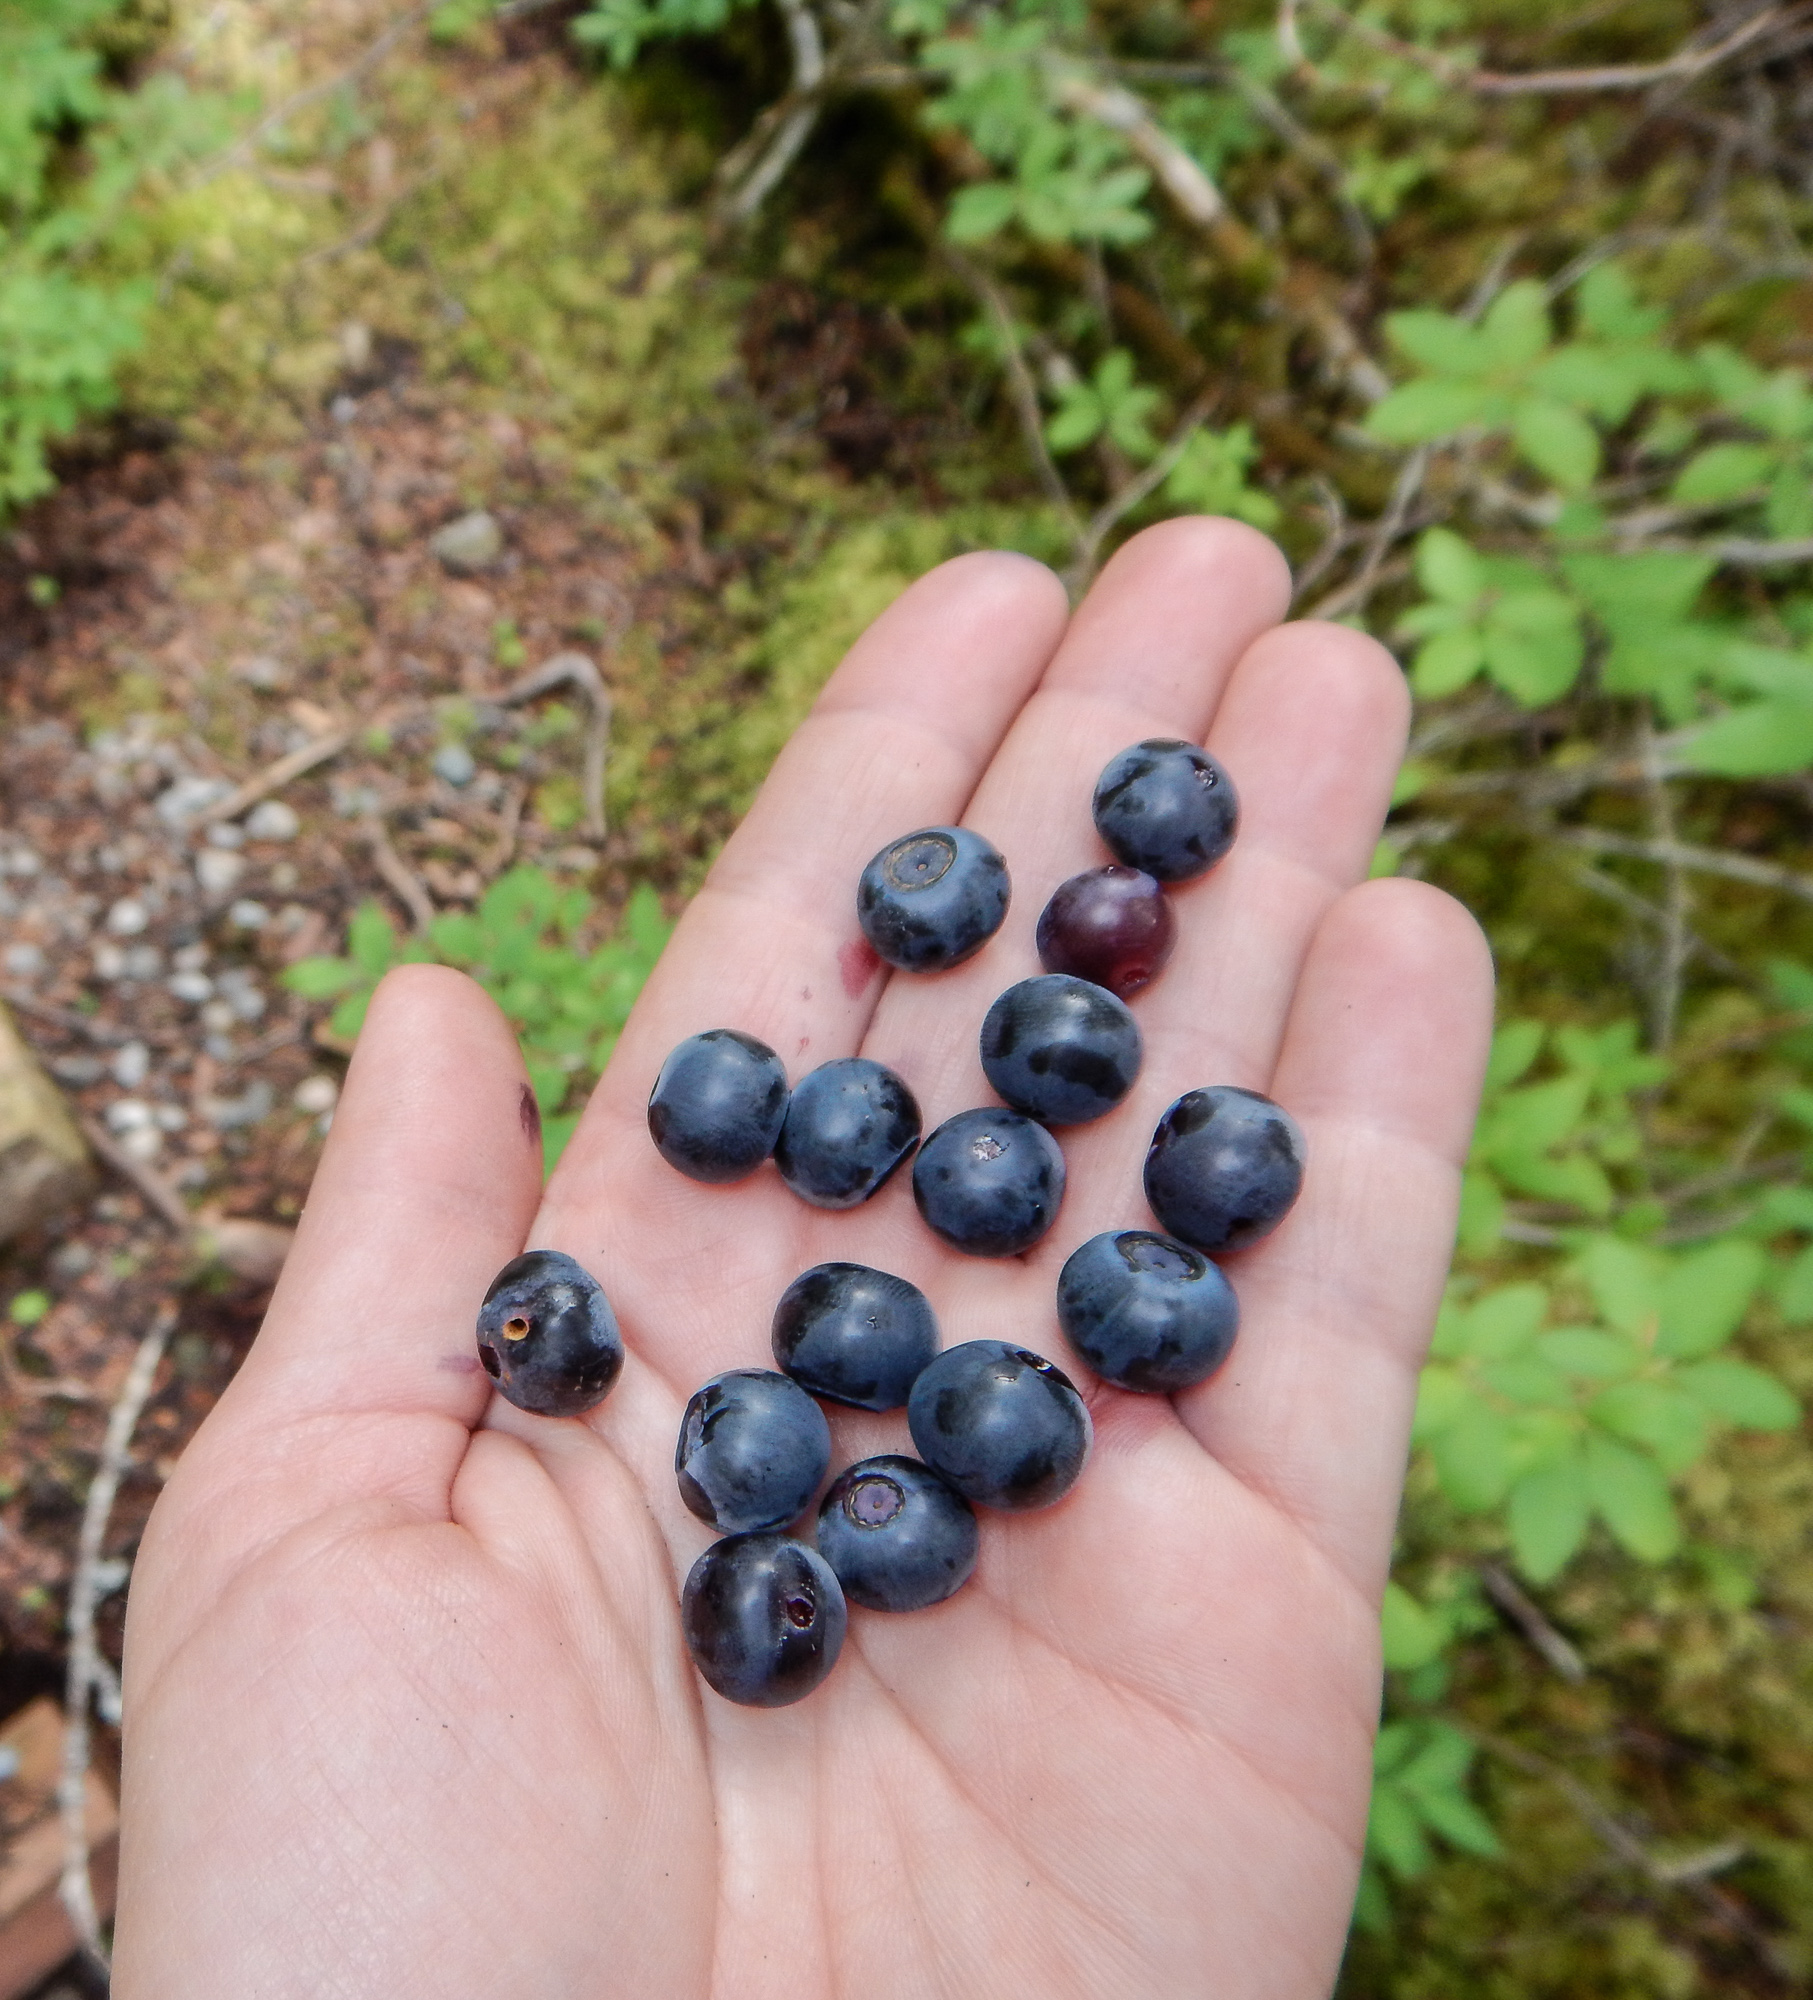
x=1499 y=314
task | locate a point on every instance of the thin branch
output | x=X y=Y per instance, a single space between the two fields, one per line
x=1174 y=170
x=794 y=128
x=1526 y=1614
x=576 y=670
x=275 y=776
x=157 y=1192
x=76 y=1888
x=1701 y=860
x=1120 y=504
x=1334 y=538
x=374 y=53
x=1353 y=594
x=399 y=878
x=1023 y=390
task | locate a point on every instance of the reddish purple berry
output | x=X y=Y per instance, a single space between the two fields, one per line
x=1113 y=926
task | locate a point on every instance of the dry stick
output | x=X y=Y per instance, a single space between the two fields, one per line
x=1353 y=594
x=1022 y=389
x=1685 y=63
x=795 y=128
x=579 y=671
x=1634 y=905
x=373 y=54
x=1334 y=541
x=275 y=776
x=79 y=1024
x=1701 y=860
x=157 y=1191
x=1121 y=503
x=76 y=1888
x=397 y=875
x=1526 y=1615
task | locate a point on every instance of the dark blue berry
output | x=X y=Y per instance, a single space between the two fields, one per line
x=1224 y=1167
x=753 y=1447
x=717 y=1106
x=1113 y=925
x=849 y=1124
x=1059 y=1049
x=897 y=1535
x=1145 y=1311
x=933 y=898
x=764 y=1619
x=989 y=1182
x=547 y=1335
x=1167 y=808
x=855 y=1335
x=1002 y=1424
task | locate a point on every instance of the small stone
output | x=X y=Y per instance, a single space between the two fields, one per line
x=248 y=915
x=171 y=1118
x=128 y=917
x=271 y=819
x=142 y=961
x=227 y=1113
x=469 y=545
x=129 y=1114
x=24 y=961
x=143 y=1142
x=78 y=1071
x=217 y=870
x=131 y=1065
x=316 y=1093
x=343 y=409
x=453 y=761
x=109 y=961
x=194 y=987
x=284 y=877
x=185 y=801
x=239 y=988
x=70 y=1261
x=226 y=834
x=219 y=1017
x=264 y=672
x=189 y=957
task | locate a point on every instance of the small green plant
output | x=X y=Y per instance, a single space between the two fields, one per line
x=28 y=1308
x=521 y=944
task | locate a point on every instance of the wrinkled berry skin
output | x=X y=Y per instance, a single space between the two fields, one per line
x=1167 y=808
x=1060 y=1049
x=547 y=1335
x=898 y=1536
x=933 y=898
x=717 y=1106
x=1224 y=1167
x=854 y=1335
x=1112 y=926
x=764 y=1619
x=989 y=1182
x=753 y=1447
x=1003 y=1425
x=849 y=1124
x=1146 y=1312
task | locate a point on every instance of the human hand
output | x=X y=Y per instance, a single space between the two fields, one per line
x=407 y=1707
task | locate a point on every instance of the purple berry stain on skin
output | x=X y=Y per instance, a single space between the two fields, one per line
x=528 y=1113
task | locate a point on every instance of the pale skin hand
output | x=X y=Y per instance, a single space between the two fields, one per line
x=407 y=1709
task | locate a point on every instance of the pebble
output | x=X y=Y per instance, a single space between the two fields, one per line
x=316 y=1093
x=143 y=1142
x=217 y=869
x=240 y=991
x=470 y=544
x=271 y=819
x=226 y=835
x=129 y=1114
x=189 y=957
x=131 y=1065
x=128 y=917
x=70 y=1261
x=453 y=761
x=194 y=987
x=252 y=1104
x=248 y=915
x=186 y=800
x=24 y=961
x=78 y=1071
x=264 y=671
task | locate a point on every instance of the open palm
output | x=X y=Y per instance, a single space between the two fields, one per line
x=407 y=1707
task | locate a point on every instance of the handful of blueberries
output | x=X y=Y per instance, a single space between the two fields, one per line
x=994 y=1424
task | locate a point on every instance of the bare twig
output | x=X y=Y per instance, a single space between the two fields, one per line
x=369 y=57
x=1526 y=1614
x=76 y=1887
x=399 y=878
x=1022 y=389
x=1120 y=504
x=579 y=671
x=157 y=1192
x=275 y=776
x=1174 y=170
x=1699 y=860
x=1627 y=899
x=510 y=820
x=792 y=120
x=79 y=1024
x=1354 y=593
x=1334 y=539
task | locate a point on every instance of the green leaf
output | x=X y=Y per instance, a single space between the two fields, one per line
x=1655 y=1414
x=1535 y=1117
x=1394 y=1834
x=1558 y=441
x=1796 y=1295
x=1460 y=1823
x=1598 y=1357
x=1722 y=472
x=981 y=210
x=1515 y=329
x=1482 y=1212
x=1527 y=1378
x=1472 y=1458
x=1432 y=408
x=1412 y=1636
x=1760 y=739
x=1706 y=1296
x=1630 y=1495
x=1625 y=1281
x=1740 y=1394
x=1788 y=509
x=1547 y=1516
x=1447 y=662
x=1441 y=1398
x=1514 y=1048
x=1533 y=646
x=1449 y=569
x=372 y=940
x=1503 y=1322
x=322 y=978
x=1438 y=342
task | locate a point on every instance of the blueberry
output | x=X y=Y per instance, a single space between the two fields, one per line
x=1145 y=1311
x=1002 y=1424
x=933 y=898
x=764 y=1619
x=1167 y=808
x=1224 y=1167
x=1059 y=1049
x=547 y=1335
x=855 y=1335
x=753 y=1447
x=1114 y=926
x=897 y=1535
x=849 y=1124
x=717 y=1106
x=989 y=1182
